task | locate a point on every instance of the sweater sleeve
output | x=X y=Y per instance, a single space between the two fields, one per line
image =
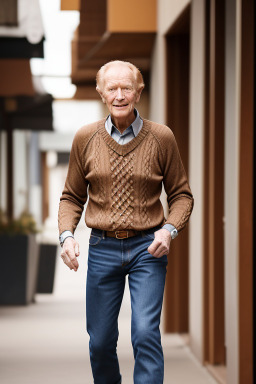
x=74 y=195
x=179 y=196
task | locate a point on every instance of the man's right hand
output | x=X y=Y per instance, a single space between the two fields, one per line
x=70 y=252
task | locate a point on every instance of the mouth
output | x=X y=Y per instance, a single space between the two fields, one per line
x=120 y=106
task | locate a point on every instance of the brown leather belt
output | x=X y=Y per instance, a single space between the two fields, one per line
x=122 y=234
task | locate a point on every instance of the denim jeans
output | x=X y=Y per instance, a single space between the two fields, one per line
x=109 y=261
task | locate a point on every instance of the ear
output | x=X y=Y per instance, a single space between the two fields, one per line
x=101 y=94
x=139 y=91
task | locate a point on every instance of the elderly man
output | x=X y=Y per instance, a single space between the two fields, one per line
x=121 y=163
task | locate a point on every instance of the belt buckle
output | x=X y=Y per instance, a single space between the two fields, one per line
x=122 y=234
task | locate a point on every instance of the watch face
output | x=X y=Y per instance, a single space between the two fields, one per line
x=61 y=240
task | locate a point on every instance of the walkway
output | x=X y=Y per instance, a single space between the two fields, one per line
x=46 y=342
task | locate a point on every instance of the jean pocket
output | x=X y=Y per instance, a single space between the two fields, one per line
x=94 y=240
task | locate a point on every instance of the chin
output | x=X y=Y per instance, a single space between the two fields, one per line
x=123 y=113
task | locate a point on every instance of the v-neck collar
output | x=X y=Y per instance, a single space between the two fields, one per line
x=124 y=149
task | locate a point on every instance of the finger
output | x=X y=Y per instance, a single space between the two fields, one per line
x=74 y=263
x=153 y=246
x=158 y=249
x=68 y=257
x=72 y=259
x=161 y=251
x=64 y=257
x=66 y=260
x=77 y=251
x=158 y=252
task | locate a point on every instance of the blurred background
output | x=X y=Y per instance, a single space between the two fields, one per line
x=197 y=58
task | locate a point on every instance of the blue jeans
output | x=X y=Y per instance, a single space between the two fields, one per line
x=109 y=261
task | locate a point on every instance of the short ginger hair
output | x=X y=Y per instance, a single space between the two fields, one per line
x=136 y=72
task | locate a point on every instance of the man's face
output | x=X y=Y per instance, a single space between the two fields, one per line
x=120 y=93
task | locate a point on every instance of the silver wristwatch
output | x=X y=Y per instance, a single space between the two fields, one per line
x=64 y=235
x=174 y=233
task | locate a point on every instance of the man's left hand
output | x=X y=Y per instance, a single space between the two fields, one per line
x=161 y=244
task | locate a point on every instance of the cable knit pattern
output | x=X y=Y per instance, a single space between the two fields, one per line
x=101 y=196
x=122 y=195
x=145 y=188
x=125 y=181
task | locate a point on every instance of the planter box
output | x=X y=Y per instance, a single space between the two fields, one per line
x=46 y=270
x=18 y=271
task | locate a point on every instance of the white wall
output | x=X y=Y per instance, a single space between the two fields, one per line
x=55 y=141
x=168 y=11
x=35 y=187
x=70 y=115
x=157 y=82
x=20 y=165
x=57 y=177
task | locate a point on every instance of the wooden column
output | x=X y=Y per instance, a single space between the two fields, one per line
x=214 y=337
x=246 y=197
x=176 y=292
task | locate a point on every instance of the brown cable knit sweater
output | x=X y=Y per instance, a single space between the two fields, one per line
x=124 y=182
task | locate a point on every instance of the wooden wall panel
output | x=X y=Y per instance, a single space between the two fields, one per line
x=70 y=5
x=132 y=16
x=176 y=301
x=246 y=197
x=93 y=18
x=12 y=83
x=214 y=338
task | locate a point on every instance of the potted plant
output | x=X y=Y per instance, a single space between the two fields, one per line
x=47 y=263
x=19 y=259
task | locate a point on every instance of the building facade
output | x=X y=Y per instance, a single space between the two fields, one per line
x=203 y=87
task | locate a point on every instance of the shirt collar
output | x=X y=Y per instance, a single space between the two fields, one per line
x=136 y=125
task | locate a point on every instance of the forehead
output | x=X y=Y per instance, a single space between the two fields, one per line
x=119 y=73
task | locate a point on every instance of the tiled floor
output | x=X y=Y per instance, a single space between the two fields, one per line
x=46 y=342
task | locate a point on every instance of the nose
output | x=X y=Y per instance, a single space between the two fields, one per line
x=119 y=94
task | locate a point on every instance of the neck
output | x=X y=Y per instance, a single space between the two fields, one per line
x=123 y=124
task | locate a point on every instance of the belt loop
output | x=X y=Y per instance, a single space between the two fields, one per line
x=103 y=235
